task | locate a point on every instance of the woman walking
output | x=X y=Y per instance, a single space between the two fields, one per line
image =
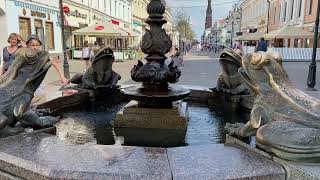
x=86 y=54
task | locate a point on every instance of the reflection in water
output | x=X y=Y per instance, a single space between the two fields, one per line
x=205 y=126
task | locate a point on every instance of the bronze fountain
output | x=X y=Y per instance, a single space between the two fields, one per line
x=155 y=75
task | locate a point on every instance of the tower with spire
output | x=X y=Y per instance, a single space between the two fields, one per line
x=209 y=16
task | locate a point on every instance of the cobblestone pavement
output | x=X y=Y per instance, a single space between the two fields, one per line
x=197 y=71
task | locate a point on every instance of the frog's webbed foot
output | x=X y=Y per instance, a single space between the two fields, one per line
x=47 y=121
x=42 y=112
x=241 y=130
x=77 y=79
x=32 y=119
x=234 y=129
x=10 y=131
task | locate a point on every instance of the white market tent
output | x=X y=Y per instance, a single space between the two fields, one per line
x=101 y=29
x=288 y=32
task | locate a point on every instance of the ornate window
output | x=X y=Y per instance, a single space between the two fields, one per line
x=49 y=35
x=24 y=27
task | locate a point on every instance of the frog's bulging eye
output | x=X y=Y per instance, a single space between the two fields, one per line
x=259 y=59
x=256 y=59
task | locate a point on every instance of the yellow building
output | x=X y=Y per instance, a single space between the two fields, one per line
x=139 y=16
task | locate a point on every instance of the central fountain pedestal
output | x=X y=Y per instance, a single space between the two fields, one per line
x=134 y=116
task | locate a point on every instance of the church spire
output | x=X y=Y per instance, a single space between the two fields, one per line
x=209 y=16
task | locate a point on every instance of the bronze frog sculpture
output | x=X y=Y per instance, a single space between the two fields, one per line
x=100 y=74
x=285 y=120
x=229 y=80
x=17 y=87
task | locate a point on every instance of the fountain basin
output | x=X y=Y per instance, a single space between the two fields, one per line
x=197 y=122
x=155 y=97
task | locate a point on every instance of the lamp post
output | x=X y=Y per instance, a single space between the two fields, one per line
x=65 y=60
x=232 y=24
x=313 y=66
x=216 y=43
x=231 y=19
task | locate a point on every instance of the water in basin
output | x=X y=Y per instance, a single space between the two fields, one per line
x=205 y=126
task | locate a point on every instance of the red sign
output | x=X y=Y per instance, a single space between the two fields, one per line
x=115 y=22
x=99 y=28
x=66 y=9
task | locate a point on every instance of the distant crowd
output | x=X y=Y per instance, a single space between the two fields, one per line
x=262 y=45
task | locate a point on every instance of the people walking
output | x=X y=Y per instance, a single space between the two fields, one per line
x=238 y=48
x=262 y=45
x=177 y=58
x=86 y=55
x=9 y=52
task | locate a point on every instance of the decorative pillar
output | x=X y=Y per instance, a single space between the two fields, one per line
x=287 y=12
x=291 y=42
x=295 y=10
x=303 y=6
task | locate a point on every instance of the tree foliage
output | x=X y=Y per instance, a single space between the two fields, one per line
x=183 y=26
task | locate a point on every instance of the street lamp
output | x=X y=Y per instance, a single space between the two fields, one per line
x=63 y=38
x=231 y=19
x=313 y=66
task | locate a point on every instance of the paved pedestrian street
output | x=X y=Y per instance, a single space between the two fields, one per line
x=197 y=71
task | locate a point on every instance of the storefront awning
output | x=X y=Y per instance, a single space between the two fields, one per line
x=288 y=32
x=100 y=29
x=250 y=37
x=71 y=23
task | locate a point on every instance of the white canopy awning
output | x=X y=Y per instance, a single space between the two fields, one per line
x=288 y=32
x=250 y=36
x=101 y=29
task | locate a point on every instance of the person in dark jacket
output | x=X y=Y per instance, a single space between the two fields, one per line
x=262 y=45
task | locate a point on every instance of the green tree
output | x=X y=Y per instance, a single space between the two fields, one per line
x=183 y=26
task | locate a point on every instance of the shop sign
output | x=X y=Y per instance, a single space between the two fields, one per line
x=115 y=22
x=38 y=14
x=34 y=8
x=136 y=23
x=126 y=26
x=77 y=14
x=66 y=9
x=99 y=28
x=97 y=18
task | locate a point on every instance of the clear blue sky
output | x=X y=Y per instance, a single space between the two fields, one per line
x=196 y=9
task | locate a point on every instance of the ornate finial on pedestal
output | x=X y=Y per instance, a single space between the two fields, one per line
x=155 y=43
x=155 y=75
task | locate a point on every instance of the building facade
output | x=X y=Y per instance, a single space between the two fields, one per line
x=3 y=24
x=39 y=17
x=293 y=13
x=233 y=25
x=139 y=16
x=84 y=13
x=254 y=15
